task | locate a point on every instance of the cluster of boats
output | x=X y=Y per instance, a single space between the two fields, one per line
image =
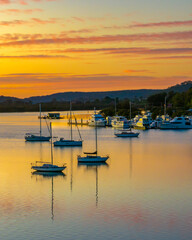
x=89 y=157
x=142 y=122
x=124 y=129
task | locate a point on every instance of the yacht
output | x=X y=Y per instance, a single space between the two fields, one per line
x=70 y=142
x=178 y=123
x=31 y=137
x=97 y=118
x=49 y=166
x=120 y=122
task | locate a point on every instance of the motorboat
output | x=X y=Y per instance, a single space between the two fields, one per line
x=178 y=123
x=31 y=137
x=143 y=124
x=159 y=120
x=120 y=122
x=97 y=119
x=126 y=133
x=69 y=142
x=48 y=166
x=92 y=157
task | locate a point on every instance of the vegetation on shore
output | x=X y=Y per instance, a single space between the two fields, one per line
x=177 y=104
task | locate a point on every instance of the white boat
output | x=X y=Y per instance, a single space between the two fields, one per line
x=31 y=137
x=126 y=133
x=49 y=166
x=71 y=142
x=92 y=157
x=159 y=120
x=97 y=119
x=120 y=122
x=177 y=123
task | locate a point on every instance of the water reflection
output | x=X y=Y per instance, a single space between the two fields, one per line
x=43 y=176
x=94 y=167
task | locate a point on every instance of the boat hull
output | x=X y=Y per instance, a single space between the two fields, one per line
x=49 y=169
x=140 y=127
x=126 y=135
x=67 y=144
x=171 y=126
x=37 y=139
x=92 y=159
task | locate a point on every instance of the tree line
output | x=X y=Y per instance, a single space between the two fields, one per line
x=176 y=104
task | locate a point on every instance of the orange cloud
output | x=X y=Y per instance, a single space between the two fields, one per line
x=59 y=39
x=19 y=11
x=32 y=21
x=156 y=24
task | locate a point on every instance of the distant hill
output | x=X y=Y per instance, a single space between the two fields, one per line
x=4 y=99
x=90 y=96
x=183 y=87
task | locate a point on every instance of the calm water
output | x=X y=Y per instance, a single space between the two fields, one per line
x=144 y=191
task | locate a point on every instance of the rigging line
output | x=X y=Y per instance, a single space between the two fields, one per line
x=77 y=127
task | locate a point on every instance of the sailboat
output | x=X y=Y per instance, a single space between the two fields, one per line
x=48 y=166
x=128 y=132
x=71 y=142
x=30 y=137
x=92 y=157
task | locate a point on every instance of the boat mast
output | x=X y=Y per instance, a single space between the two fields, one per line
x=40 y=117
x=165 y=105
x=51 y=143
x=115 y=107
x=130 y=112
x=71 y=121
x=96 y=133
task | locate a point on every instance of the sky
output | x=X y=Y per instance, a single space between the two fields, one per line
x=50 y=46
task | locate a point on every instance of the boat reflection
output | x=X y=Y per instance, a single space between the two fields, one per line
x=94 y=166
x=48 y=174
x=40 y=176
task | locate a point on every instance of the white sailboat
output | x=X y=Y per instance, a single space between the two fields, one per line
x=92 y=157
x=48 y=167
x=127 y=133
x=71 y=142
x=30 y=137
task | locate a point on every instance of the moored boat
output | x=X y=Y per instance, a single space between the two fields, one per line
x=49 y=166
x=177 y=123
x=120 y=122
x=69 y=142
x=31 y=137
x=127 y=133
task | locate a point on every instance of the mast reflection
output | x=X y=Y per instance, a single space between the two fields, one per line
x=95 y=167
x=43 y=176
